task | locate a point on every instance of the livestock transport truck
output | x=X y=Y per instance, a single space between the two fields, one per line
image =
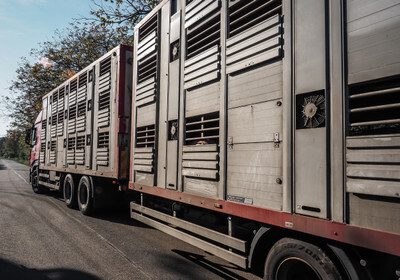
x=268 y=133
x=80 y=140
x=264 y=132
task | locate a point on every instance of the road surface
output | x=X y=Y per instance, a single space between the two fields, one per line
x=40 y=238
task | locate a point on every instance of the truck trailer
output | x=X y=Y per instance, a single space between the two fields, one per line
x=81 y=138
x=267 y=132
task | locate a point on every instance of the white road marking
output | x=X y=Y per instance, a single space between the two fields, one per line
x=20 y=176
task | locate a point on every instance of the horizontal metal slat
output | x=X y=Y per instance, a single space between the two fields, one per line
x=145 y=89
x=373 y=108
x=250 y=51
x=201 y=11
x=254 y=40
x=374 y=171
x=201 y=80
x=145 y=94
x=200 y=164
x=200 y=57
x=203 y=71
x=374 y=187
x=145 y=83
x=243 y=64
x=375 y=122
x=200 y=148
x=143 y=156
x=377 y=156
x=144 y=168
x=265 y=25
x=221 y=238
x=225 y=254
x=148 y=38
x=146 y=46
x=200 y=156
x=145 y=100
x=371 y=142
x=203 y=63
x=147 y=52
x=374 y=93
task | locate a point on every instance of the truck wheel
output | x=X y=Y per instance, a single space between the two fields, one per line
x=69 y=191
x=35 y=182
x=85 y=199
x=294 y=259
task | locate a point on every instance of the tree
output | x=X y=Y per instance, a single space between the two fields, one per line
x=56 y=60
x=121 y=14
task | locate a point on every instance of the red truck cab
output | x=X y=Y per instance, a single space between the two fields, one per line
x=34 y=154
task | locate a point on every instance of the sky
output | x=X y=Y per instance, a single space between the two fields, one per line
x=23 y=25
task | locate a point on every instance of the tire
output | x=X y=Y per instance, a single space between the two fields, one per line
x=69 y=191
x=292 y=259
x=85 y=199
x=35 y=182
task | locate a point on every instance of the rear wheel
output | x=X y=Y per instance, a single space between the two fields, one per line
x=291 y=259
x=85 y=196
x=69 y=191
x=35 y=182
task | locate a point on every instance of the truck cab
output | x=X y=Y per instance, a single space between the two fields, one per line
x=34 y=154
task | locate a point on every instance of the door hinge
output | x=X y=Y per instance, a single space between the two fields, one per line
x=276 y=140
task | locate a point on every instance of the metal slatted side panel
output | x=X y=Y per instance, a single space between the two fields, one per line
x=102 y=156
x=53 y=151
x=373 y=144
x=71 y=150
x=104 y=100
x=203 y=25
x=43 y=142
x=255 y=34
x=147 y=71
x=80 y=150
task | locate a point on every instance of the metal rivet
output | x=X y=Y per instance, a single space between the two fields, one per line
x=278 y=103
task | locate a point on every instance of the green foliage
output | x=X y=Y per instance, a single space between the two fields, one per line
x=121 y=14
x=68 y=51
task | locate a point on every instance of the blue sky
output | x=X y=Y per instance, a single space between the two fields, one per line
x=24 y=24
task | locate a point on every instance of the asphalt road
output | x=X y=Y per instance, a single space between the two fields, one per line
x=40 y=238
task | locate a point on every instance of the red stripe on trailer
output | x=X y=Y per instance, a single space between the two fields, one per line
x=381 y=241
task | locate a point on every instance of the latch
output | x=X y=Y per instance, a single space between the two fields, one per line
x=230 y=142
x=276 y=140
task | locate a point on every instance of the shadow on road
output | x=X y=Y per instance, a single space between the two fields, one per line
x=10 y=270
x=3 y=167
x=220 y=270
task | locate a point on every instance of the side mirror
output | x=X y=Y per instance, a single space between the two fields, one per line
x=28 y=133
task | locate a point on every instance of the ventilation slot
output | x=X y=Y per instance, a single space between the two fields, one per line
x=43 y=141
x=60 y=126
x=61 y=99
x=147 y=57
x=53 y=125
x=83 y=80
x=202 y=64
x=53 y=146
x=81 y=117
x=73 y=86
x=72 y=118
x=71 y=150
x=201 y=161
x=80 y=150
x=104 y=100
x=73 y=93
x=103 y=147
x=105 y=66
x=202 y=129
x=255 y=34
x=145 y=136
x=375 y=107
